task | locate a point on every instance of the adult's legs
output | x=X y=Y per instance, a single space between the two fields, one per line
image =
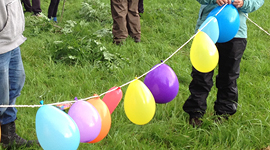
x=36 y=6
x=133 y=19
x=11 y=83
x=52 y=11
x=4 y=83
x=140 y=6
x=27 y=5
x=230 y=54
x=119 y=9
x=12 y=76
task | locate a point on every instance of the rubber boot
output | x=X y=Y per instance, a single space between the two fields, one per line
x=9 y=138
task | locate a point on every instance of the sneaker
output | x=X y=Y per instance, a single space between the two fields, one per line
x=55 y=19
x=195 y=122
x=37 y=14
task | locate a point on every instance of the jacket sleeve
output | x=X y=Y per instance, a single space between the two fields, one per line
x=206 y=2
x=251 y=5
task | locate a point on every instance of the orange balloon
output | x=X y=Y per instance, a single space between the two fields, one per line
x=105 y=116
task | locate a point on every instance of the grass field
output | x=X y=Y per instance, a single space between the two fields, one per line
x=165 y=25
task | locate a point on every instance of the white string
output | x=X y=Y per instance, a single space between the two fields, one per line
x=256 y=24
x=21 y=106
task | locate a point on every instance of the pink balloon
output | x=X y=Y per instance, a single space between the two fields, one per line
x=113 y=98
x=87 y=119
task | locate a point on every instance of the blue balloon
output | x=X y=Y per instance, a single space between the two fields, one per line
x=228 y=22
x=56 y=130
x=211 y=29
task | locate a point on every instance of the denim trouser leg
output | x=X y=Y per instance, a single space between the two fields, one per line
x=12 y=79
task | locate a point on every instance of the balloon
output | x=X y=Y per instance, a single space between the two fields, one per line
x=139 y=103
x=56 y=130
x=203 y=53
x=113 y=98
x=228 y=22
x=163 y=83
x=87 y=119
x=105 y=118
x=211 y=29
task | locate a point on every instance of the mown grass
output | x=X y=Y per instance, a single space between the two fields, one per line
x=165 y=25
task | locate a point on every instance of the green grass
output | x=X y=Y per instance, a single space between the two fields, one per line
x=165 y=25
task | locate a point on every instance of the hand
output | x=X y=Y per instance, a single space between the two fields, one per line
x=238 y=3
x=222 y=2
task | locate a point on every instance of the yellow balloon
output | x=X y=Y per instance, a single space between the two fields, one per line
x=203 y=53
x=139 y=103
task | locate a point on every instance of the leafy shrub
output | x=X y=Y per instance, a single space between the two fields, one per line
x=39 y=25
x=94 y=10
x=79 y=46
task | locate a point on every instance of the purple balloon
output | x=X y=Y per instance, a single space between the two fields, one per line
x=163 y=83
x=87 y=119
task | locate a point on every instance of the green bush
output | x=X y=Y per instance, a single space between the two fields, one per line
x=79 y=46
x=94 y=10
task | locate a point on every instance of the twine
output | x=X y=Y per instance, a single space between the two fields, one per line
x=256 y=25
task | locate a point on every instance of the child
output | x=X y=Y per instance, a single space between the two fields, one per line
x=230 y=54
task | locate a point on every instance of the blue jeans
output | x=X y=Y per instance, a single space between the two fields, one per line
x=12 y=77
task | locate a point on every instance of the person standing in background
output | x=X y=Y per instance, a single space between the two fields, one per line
x=126 y=20
x=35 y=7
x=52 y=11
x=230 y=54
x=140 y=7
x=12 y=75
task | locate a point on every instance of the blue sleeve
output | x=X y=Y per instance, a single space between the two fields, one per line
x=251 y=5
x=205 y=2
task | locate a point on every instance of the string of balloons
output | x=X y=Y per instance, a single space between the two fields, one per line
x=89 y=120
x=203 y=26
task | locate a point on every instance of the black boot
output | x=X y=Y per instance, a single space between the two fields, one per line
x=9 y=138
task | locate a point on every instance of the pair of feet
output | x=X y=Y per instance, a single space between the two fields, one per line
x=38 y=14
x=197 y=122
x=54 y=19
x=120 y=41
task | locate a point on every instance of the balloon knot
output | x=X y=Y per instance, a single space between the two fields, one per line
x=41 y=102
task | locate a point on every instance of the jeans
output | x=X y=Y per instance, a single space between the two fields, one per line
x=12 y=77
